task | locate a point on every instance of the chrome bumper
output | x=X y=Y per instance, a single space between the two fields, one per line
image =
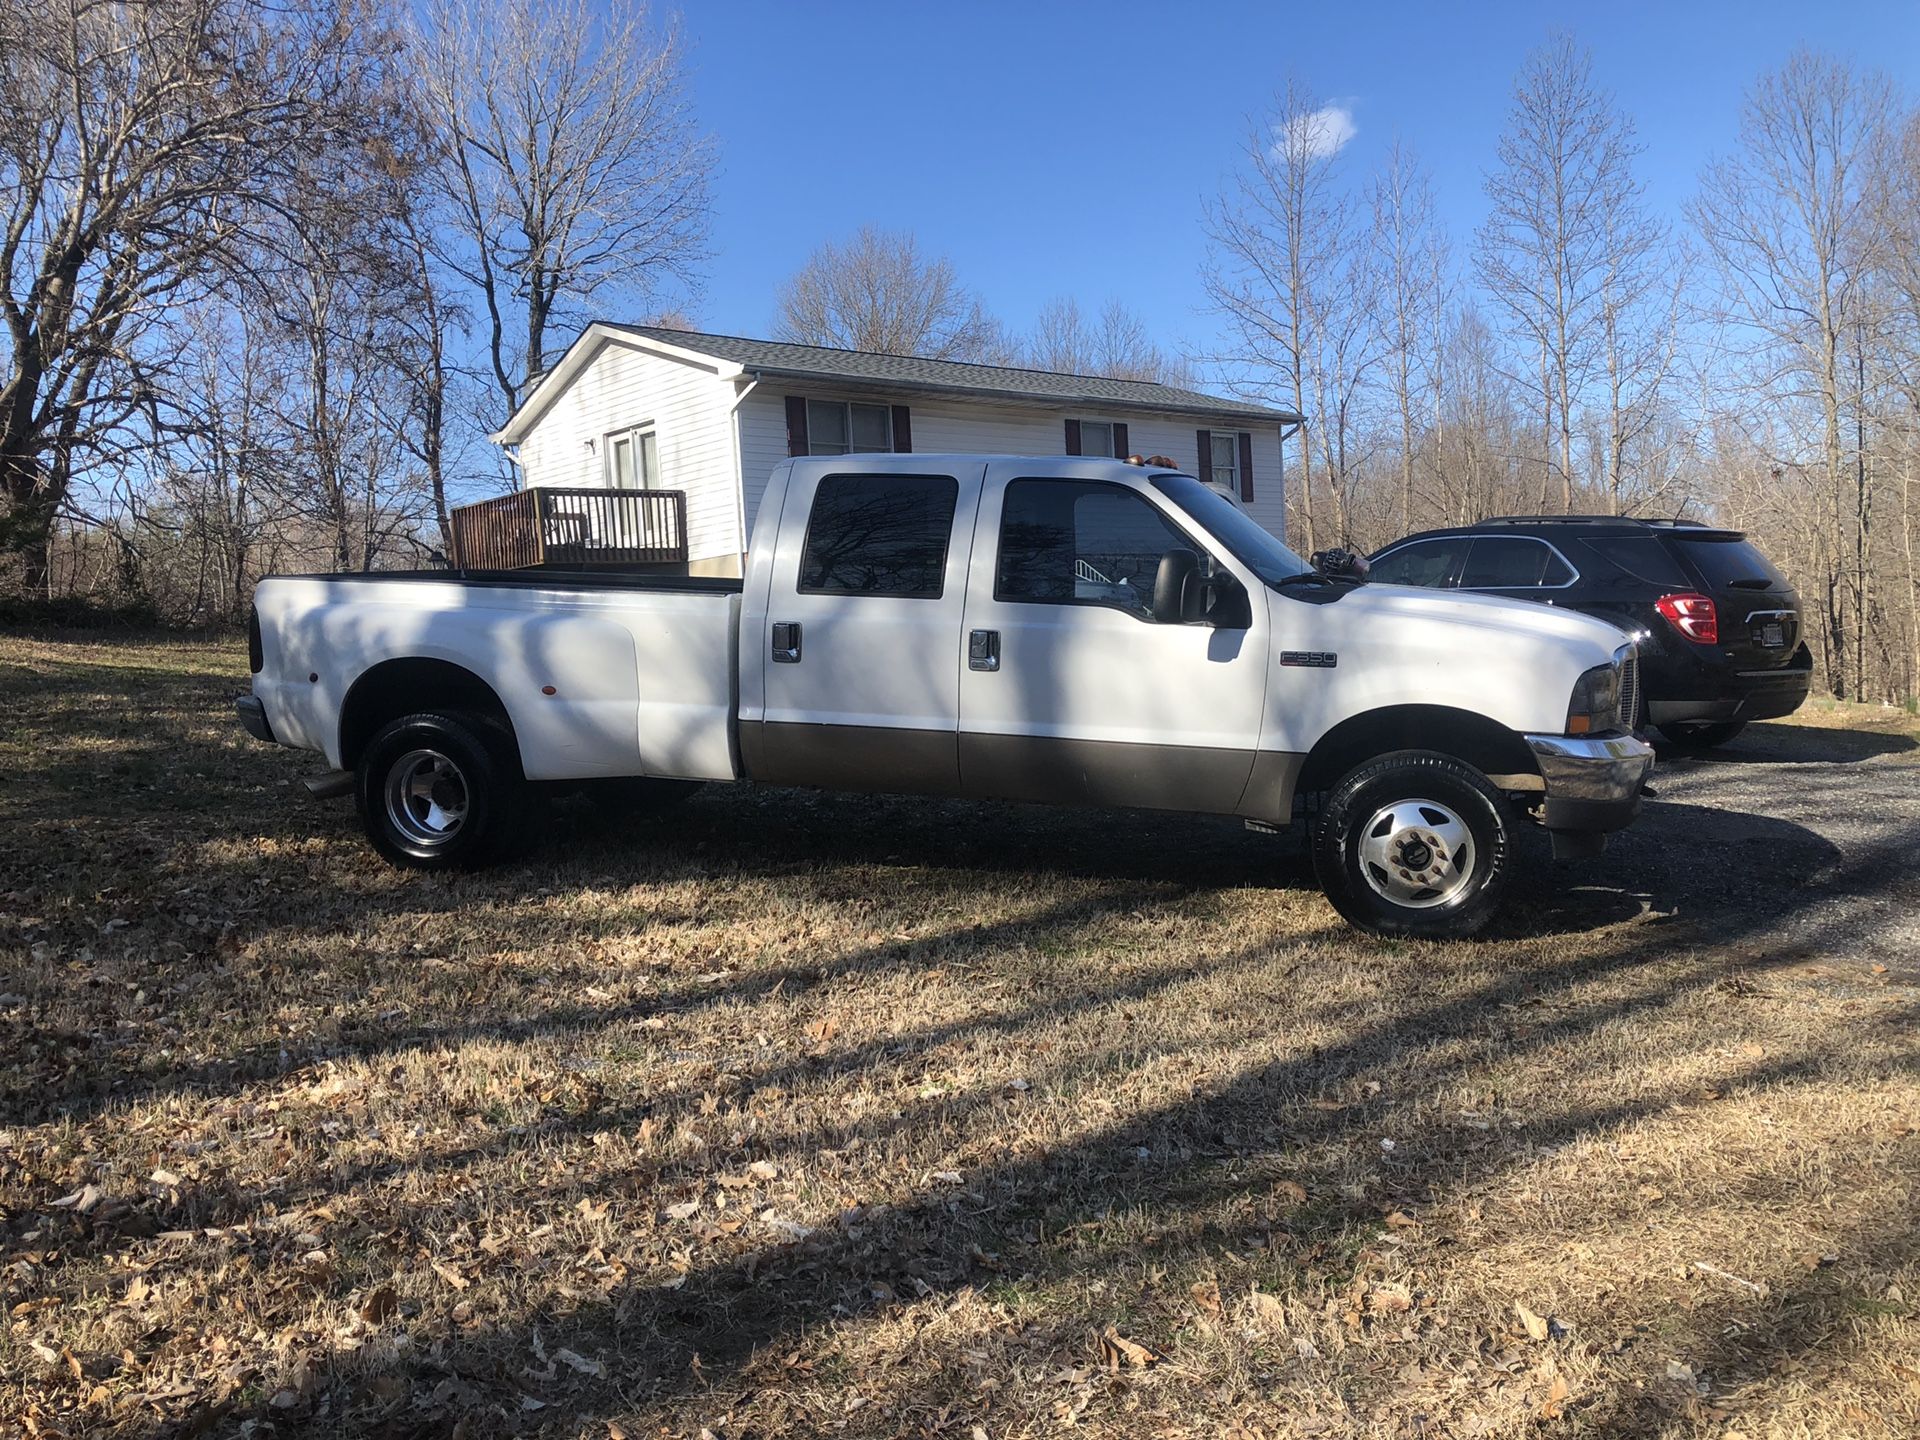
x=1592 y=783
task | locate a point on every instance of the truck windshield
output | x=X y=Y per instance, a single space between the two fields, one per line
x=1243 y=536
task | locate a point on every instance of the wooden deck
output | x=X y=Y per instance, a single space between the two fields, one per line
x=571 y=529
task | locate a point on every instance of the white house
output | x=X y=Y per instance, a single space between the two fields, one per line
x=638 y=407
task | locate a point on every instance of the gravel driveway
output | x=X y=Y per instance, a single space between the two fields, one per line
x=1792 y=839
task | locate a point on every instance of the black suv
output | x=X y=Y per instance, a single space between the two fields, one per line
x=1718 y=625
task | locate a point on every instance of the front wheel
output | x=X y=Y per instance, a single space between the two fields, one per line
x=1414 y=843
x=1702 y=736
x=441 y=791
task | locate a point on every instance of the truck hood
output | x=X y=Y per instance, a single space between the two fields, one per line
x=1496 y=613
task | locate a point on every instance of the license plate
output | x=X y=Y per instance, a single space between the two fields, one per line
x=1773 y=635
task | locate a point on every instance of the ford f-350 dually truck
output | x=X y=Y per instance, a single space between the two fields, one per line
x=1064 y=630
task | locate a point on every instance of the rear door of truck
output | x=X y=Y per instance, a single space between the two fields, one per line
x=860 y=651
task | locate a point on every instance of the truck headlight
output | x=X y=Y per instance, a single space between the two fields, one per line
x=1594 y=708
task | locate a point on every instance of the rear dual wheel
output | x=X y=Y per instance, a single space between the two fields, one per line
x=442 y=790
x=1414 y=843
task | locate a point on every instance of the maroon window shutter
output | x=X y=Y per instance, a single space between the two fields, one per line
x=902 y=431
x=1120 y=450
x=1203 y=439
x=1246 y=465
x=797 y=425
x=1073 y=437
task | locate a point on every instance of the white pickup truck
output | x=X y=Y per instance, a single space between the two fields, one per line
x=1064 y=630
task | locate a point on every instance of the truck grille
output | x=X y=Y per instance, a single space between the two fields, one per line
x=1630 y=691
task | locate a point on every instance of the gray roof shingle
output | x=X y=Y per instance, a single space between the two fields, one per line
x=911 y=372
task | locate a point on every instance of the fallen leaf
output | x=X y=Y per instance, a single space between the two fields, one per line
x=452 y=1276
x=1117 y=1348
x=380 y=1304
x=1557 y=1398
x=1537 y=1327
x=574 y=1361
x=1206 y=1294
x=1292 y=1189
x=763 y=1170
x=1401 y=1220
x=685 y=1210
x=1267 y=1309
x=166 y=1178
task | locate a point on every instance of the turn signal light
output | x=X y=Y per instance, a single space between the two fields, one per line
x=1692 y=614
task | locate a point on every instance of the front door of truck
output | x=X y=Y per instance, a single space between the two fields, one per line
x=1072 y=692
x=860 y=654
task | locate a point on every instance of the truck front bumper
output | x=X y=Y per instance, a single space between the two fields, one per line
x=1592 y=784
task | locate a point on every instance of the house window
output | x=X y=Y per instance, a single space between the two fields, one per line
x=1225 y=460
x=633 y=461
x=837 y=428
x=1096 y=437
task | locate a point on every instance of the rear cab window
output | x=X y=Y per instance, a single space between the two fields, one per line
x=879 y=535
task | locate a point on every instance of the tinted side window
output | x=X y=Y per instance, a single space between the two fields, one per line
x=1068 y=543
x=879 y=535
x=1425 y=562
x=1512 y=562
x=1643 y=557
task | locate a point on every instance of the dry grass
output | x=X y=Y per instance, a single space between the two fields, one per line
x=797 y=1115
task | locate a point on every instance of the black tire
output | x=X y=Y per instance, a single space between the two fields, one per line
x=1375 y=807
x=629 y=796
x=443 y=791
x=1702 y=736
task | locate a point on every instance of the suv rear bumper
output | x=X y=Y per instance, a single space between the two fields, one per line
x=1721 y=692
x=1593 y=782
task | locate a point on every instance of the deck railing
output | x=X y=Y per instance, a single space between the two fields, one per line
x=571 y=529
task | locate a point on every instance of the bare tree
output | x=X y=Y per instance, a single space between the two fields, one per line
x=878 y=293
x=1787 y=220
x=1279 y=247
x=1410 y=296
x=1116 y=344
x=136 y=140
x=1566 y=210
x=572 y=161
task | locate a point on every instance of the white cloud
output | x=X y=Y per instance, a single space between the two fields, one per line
x=1318 y=135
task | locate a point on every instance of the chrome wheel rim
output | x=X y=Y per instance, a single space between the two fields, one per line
x=426 y=797
x=1417 y=853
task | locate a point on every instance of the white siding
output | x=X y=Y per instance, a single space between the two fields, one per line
x=968 y=428
x=687 y=407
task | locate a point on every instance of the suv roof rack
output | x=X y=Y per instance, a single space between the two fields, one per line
x=1595 y=520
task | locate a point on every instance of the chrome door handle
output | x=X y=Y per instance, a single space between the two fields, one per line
x=786 y=642
x=983 y=650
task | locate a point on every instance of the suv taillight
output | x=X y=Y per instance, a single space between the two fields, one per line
x=256 y=653
x=1692 y=614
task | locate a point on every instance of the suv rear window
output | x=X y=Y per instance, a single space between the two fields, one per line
x=1728 y=562
x=1643 y=557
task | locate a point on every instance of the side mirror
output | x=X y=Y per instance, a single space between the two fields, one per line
x=1177 y=595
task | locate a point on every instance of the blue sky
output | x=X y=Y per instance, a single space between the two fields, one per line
x=1056 y=148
